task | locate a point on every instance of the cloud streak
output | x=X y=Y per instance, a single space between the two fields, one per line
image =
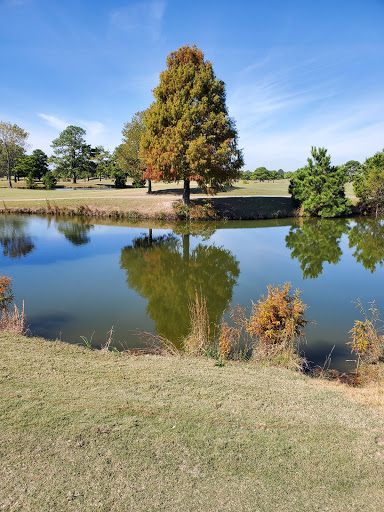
x=96 y=132
x=347 y=135
x=140 y=17
x=283 y=114
x=55 y=122
x=93 y=128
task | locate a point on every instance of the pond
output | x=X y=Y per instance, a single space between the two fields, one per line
x=79 y=277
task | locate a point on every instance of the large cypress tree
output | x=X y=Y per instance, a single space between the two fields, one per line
x=189 y=135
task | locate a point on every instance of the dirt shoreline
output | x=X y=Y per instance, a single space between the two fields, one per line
x=158 y=207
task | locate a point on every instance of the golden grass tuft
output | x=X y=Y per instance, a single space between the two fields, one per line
x=157 y=345
x=199 y=337
x=14 y=320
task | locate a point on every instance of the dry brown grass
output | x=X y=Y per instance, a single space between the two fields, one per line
x=14 y=320
x=157 y=345
x=200 y=335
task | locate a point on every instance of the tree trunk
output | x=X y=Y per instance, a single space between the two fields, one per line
x=187 y=192
x=9 y=177
x=74 y=177
x=186 y=248
x=149 y=186
x=8 y=167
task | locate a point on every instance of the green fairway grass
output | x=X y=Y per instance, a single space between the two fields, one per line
x=252 y=200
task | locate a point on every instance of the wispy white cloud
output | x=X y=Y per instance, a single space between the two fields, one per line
x=273 y=93
x=281 y=115
x=55 y=122
x=96 y=131
x=93 y=128
x=140 y=17
x=350 y=132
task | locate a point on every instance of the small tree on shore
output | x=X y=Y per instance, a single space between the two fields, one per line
x=189 y=135
x=70 y=152
x=128 y=153
x=319 y=188
x=34 y=166
x=369 y=184
x=13 y=140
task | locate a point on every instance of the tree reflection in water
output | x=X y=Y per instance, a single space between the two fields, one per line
x=13 y=237
x=367 y=238
x=165 y=271
x=76 y=232
x=316 y=242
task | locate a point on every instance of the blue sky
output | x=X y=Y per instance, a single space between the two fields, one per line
x=297 y=73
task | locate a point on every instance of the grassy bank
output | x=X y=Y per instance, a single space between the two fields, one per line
x=90 y=430
x=253 y=200
x=153 y=207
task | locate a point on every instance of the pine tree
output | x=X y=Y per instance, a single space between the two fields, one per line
x=320 y=187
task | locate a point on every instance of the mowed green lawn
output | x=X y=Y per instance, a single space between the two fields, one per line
x=250 y=200
x=278 y=188
x=92 y=431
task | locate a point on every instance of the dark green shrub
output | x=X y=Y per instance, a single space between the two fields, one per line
x=195 y=211
x=120 y=179
x=30 y=181
x=49 y=181
x=138 y=183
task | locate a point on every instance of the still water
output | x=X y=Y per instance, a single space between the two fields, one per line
x=79 y=277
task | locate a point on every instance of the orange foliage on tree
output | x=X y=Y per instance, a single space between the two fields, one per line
x=189 y=135
x=279 y=317
x=6 y=295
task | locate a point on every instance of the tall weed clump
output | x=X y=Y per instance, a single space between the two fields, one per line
x=12 y=320
x=367 y=342
x=199 y=339
x=270 y=334
x=276 y=326
x=203 y=211
x=233 y=339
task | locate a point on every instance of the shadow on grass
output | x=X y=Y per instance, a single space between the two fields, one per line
x=176 y=191
x=250 y=208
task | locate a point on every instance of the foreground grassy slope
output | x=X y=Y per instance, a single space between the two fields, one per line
x=91 y=431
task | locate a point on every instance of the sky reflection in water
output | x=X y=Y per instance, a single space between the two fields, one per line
x=79 y=277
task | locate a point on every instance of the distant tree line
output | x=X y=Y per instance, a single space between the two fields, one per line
x=262 y=174
x=186 y=134
x=318 y=188
x=72 y=158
